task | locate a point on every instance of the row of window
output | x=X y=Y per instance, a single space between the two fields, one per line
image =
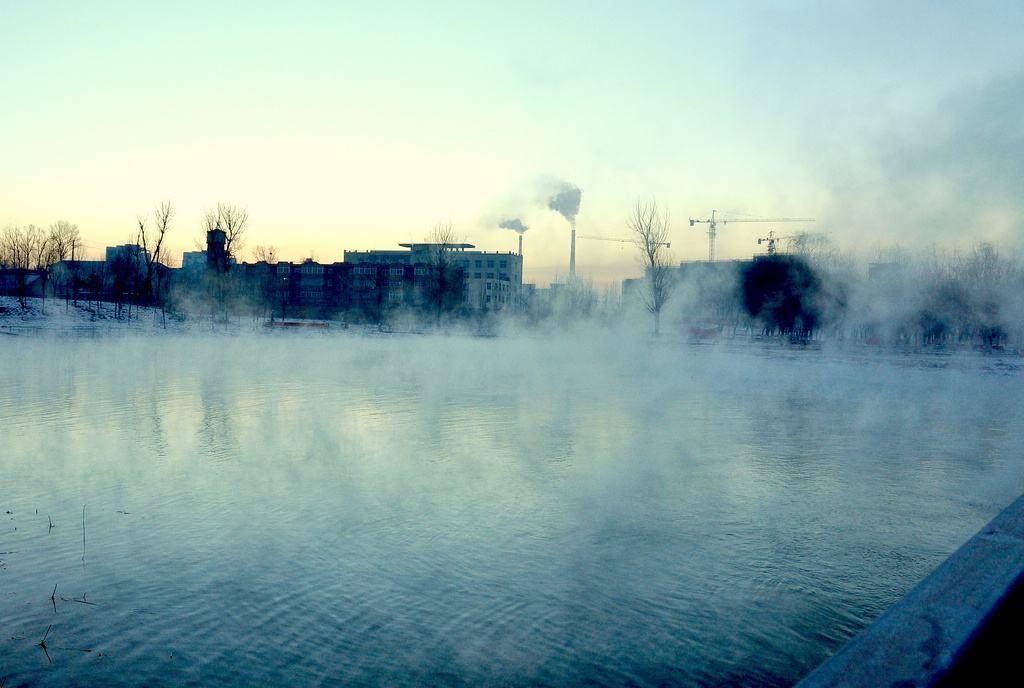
x=490 y=275
x=490 y=263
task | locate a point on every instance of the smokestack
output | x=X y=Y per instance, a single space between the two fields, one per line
x=572 y=251
x=517 y=226
x=566 y=202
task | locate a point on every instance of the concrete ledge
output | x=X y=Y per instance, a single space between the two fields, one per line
x=939 y=624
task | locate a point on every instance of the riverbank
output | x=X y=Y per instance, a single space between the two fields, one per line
x=59 y=316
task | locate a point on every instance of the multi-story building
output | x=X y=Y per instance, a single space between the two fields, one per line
x=421 y=276
x=128 y=253
x=490 y=280
x=323 y=290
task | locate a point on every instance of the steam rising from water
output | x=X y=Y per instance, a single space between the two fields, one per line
x=368 y=510
x=950 y=176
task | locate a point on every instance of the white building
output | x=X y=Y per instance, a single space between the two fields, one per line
x=492 y=280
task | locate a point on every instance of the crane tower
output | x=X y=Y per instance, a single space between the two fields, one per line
x=713 y=222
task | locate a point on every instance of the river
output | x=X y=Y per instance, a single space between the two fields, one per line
x=338 y=510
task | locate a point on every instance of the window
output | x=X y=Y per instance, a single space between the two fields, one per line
x=490 y=275
x=490 y=263
x=488 y=286
x=477 y=275
x=478 y=264
x=504 y=263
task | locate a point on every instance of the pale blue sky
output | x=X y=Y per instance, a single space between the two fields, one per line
x=358 y=124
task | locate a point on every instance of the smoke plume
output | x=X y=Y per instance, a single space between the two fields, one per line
x=566 y=201
x=515 y=224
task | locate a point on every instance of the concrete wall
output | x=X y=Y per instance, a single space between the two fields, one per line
x=953 y=628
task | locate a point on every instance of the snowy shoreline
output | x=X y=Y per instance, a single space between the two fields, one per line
x=57 y=317
x=92 y=319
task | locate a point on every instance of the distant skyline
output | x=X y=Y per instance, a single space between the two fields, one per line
x=359 y=125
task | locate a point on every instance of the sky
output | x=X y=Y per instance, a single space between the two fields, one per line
x=356 y=125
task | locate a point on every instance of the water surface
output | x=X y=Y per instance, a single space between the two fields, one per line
x=339 y=510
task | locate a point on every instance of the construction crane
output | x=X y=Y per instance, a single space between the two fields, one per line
x=666 y=244
x=772 y=240
x=713 y=222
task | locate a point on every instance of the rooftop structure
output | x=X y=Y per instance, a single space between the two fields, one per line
x=126 y=252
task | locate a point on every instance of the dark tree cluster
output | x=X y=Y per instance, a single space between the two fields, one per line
x=783 y=295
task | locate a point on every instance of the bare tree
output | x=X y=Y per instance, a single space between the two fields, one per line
x=169 y=257
x=445 y=288
x=12 y=255
x=65 y=241
x=4 y=259
x=234 y=221
x=151 y=243
x=125 y=276
x=264 y=286
x=265 y=254
x=26 y=250
x=649 y=225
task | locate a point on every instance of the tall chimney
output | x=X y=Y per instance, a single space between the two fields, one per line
x=520 y=244
x=572 y=252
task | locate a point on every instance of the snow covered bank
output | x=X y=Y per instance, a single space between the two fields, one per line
x=57 y=317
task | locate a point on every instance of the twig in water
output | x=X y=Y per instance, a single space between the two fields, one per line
x=42 y=644
x=80 y=601
x=53 y=598
x=51 y=524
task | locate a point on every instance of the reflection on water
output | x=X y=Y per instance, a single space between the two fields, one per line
x=304 y=510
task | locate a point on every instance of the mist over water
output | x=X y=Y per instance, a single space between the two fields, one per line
x=462 y=511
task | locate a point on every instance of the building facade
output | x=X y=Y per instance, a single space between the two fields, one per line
x=436 y=278
x=490 y=280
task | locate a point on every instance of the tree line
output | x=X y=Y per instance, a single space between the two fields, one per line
x=29 y=251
